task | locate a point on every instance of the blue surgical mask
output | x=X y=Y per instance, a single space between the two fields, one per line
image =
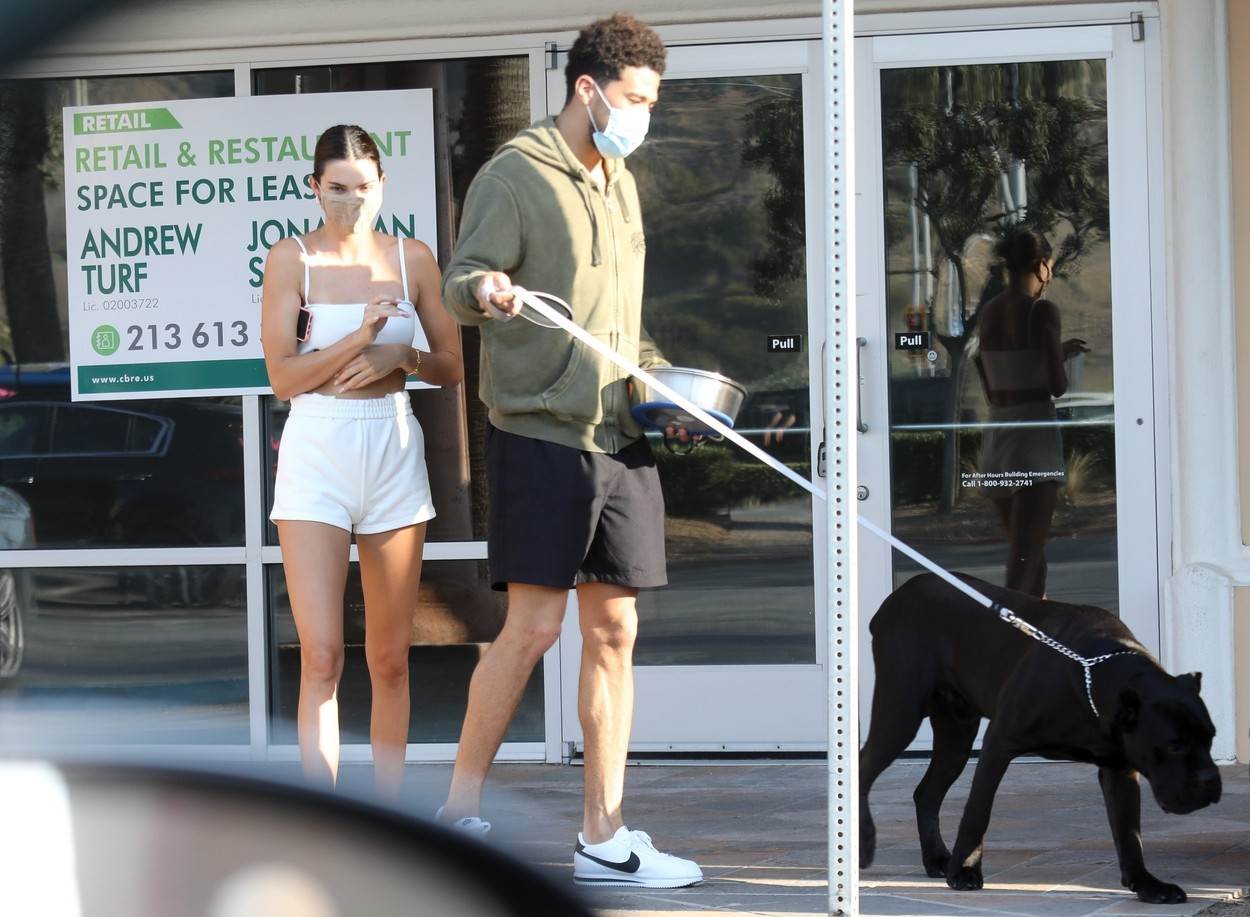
x=624 y=132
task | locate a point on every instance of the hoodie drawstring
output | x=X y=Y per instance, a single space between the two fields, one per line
x=596 y=255
x=620 y=196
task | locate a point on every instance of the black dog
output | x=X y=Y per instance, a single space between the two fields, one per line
x=940 y=654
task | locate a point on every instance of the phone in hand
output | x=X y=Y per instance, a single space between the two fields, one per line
x=303 y=324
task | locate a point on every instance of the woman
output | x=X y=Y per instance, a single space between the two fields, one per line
x=1021 y=362
x=344 y=310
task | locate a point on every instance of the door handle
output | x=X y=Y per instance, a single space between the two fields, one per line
x=862 y=427
x=820 y=450
x=823 y=429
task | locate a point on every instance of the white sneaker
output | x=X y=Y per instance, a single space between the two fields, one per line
x=630 y=858
x=470 y=824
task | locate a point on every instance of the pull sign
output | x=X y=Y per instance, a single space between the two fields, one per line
x=785 y=343
x=911 y=340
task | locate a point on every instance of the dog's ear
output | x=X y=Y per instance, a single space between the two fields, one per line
x=1191 y=680
x=1130 y=706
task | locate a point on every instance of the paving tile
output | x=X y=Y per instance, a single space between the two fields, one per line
x=758 y=830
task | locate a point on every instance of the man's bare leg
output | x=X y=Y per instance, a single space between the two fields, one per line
x=530 y=629
x=605 y=701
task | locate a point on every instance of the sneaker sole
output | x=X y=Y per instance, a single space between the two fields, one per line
x=623 y=882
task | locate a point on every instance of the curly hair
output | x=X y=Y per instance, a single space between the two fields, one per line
x=606 y=47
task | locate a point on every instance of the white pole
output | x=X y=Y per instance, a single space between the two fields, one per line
x=913 y=211
x=841 y=383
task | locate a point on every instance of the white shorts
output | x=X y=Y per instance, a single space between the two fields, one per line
x=356 y=463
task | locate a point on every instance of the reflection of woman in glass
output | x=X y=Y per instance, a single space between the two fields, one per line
x=1020 y=359
x=344 y=310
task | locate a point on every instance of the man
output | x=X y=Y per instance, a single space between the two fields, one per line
x=575 y=500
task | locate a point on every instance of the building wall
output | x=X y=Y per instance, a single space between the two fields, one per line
x=1241 y=640
x=1239 y=103
x=217 y=24
x=1208 y=558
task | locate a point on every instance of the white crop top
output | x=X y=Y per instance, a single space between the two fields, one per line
x=331 y=322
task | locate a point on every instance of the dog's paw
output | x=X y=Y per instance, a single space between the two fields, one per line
x=936 y=864
x=966 y=878
x=1154 y=891
x=867 y=842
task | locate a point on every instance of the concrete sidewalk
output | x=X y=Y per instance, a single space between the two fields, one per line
x=758 y=830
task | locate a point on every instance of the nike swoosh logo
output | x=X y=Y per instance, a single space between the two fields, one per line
x=630 y=865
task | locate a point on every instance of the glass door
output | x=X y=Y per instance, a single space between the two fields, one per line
x=730 y=655
x=976 y=450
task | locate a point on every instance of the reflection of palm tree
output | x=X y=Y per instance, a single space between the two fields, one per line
x=724 y=226
x=773 y=140
x=990 y=147
x=25 y=260
x=496 y=106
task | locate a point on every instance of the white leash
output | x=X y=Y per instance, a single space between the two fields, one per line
x=533 y=300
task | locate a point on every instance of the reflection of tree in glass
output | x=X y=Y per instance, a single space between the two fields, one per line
x=495 y=107
x=32 y=239
x=706 y=206
x=994 y=147
x=25 y=263
x=774 y=141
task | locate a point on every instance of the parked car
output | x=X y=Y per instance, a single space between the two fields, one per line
x=154 y=473
x=16 y=593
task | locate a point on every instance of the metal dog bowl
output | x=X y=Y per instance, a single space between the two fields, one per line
x=719 y=395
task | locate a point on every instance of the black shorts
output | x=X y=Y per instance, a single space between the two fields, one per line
x=560 y=516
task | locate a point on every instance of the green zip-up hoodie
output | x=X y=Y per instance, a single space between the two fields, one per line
x=534 y=213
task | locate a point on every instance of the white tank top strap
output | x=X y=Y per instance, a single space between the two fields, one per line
x=300 y=243
x=403 y=268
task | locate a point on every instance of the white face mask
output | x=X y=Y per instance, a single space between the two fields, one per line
x=351 y=212
x=624 y=132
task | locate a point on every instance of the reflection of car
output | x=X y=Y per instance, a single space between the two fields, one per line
x=15 y=591
x=166 y=472
x=1086 y=406
x=925 y=401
